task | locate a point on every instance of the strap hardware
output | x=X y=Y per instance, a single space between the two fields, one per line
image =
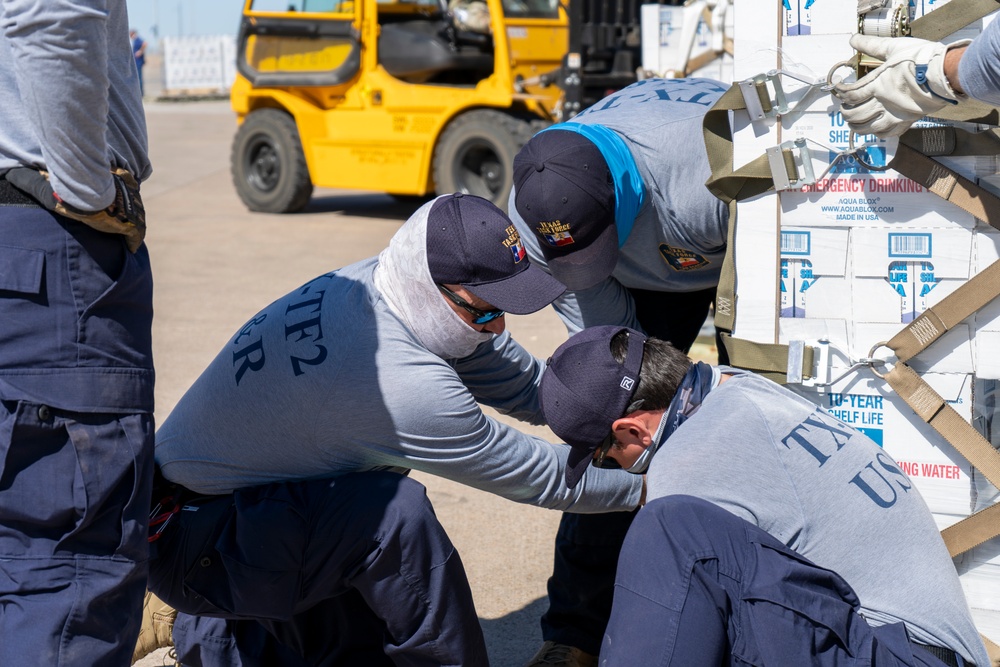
x=762 y=104
x=823 y=354
x=758 y=98
x=791 y=164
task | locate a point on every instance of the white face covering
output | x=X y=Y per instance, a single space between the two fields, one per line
x=642 y=463
x=404 y=279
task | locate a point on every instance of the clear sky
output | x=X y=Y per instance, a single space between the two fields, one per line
x=171 y=18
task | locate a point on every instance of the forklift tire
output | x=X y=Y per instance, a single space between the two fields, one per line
x=475 y=154
x=268 y=165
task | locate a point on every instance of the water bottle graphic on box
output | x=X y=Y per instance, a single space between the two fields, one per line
x=910 y=273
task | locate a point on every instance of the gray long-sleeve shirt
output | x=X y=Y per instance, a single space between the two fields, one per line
x=70 y=96
x=327 y=381
x=979 y=69
x=678 y=241
x=828 y=492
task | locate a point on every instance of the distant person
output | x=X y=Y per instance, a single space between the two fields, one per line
x=470 y=15
x=76 y=359
x=139 y=51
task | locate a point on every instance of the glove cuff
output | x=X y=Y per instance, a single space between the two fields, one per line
x=931 y=78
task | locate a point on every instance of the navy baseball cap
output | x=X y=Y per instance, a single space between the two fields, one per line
x=472 y=243
x=584 y=390
x=564 y=191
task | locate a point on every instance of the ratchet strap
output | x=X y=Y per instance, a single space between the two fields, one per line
x=951 y=18
x=911 y=160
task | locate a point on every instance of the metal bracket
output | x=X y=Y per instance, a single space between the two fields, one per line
x=823 y=351
x=761 y=103
x=791 y=164
x=796 y=349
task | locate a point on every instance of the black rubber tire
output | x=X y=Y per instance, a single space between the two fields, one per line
x=475 y=154
x=268 y=165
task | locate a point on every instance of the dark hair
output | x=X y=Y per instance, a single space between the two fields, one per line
x=663 y=368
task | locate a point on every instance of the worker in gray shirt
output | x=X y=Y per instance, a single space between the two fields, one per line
x=774 y=534
x=614 y=205
x=295 y=442
x=76 y=310
x=918 y=78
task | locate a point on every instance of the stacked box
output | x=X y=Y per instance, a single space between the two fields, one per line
x=845 y=263
x=689 y=38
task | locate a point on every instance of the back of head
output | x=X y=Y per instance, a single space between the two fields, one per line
x=565 y=193
x=472 y=243
x=593 y=378
x=663 y=370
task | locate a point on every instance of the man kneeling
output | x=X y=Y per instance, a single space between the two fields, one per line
x=775 y=534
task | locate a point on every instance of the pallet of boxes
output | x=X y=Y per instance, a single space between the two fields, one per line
x=863 y=273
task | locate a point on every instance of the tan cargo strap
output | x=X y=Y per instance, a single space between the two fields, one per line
x=933 y=409
x=727 y=183
x=951 y=141
x=732 y=185
x=993 y=650
x=951 y=18
x=947 y=184
x=769 y=360
x=937 y=320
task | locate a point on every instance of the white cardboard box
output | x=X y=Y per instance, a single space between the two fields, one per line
x=890 y=250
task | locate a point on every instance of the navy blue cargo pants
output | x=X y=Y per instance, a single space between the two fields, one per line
x=354 y=570
x=587 y=545
x=698 y=586
x=76 y=439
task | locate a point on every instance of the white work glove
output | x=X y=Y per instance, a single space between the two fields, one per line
x=908 y=85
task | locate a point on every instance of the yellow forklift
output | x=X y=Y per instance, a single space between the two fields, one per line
x=392 y=96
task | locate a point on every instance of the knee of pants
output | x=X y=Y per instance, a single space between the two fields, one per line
x=380 y=504
x=410 y=508
x=685 y=523
x=683 y=511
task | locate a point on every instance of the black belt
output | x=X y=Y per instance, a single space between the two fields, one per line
x=11 y=196
x=945 y=655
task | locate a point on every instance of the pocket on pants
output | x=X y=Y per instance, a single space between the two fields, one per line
x=115 y=478
x=116 y=313
x=793 y=608
x=255 y=569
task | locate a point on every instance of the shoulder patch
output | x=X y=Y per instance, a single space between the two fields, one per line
x=680 y=259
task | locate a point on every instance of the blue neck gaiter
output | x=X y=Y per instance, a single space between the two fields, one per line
x=630 y=194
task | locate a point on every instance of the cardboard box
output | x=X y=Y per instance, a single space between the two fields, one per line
x=858 y=255
x=814 y=282
x=942 y=475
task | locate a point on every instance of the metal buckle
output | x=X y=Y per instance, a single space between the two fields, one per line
x=760 y=101
x=791 y=164
x=824 y=350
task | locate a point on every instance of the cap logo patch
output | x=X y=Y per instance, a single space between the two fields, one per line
x=681 y=259
x=513 y=243
x=627 y=383
x=555 y=233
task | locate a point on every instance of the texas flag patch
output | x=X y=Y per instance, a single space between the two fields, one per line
x=681 y=259
x=557 y=239
x=517 y=248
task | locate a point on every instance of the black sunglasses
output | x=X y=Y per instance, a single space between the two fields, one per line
x=602 y=460
x=479 y=316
